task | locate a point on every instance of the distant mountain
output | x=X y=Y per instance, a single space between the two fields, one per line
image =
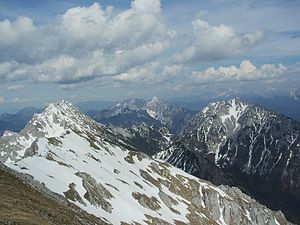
x=287 y=104
x=66 y=155
x=15 y=122
x=253 y=146
x=125 y=114
x=171 y=116
x=137 y=111
x=152 y=124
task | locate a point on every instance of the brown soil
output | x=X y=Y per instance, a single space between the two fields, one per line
x=20 y=204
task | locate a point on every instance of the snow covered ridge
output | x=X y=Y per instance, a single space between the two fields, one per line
x=90 y=166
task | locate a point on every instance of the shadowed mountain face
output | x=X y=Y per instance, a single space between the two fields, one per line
x=257 y=148
x=15 y=122
x=59 y=149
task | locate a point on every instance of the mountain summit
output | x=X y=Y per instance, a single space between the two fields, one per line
x=79 y=161
x=253 y=146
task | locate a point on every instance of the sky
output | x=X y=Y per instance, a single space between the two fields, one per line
x=81 y=50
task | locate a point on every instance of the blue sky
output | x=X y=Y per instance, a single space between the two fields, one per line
x=108 y=50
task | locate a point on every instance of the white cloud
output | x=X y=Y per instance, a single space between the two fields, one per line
x=147 y=6
x=19 y=100
x=5 y=68
x=140 y=54
x=69 y=86
x=245 y=72
x=83 y=43
x=172 y=70
x=15 y=87
x=216 y=42
x=12 y=32
x=145 y=74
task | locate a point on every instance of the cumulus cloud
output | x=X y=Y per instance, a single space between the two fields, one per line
x=151 y=73
x=216 y=42
x=83 y=43
x=172 y=70
x=245 y=72
x=144 y=74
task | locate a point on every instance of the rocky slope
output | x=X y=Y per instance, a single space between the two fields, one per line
x=91 y=167
x=149 y=139
x=21 y=204
x=256 y=147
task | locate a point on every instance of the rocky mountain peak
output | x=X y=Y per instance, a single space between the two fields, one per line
x=130 y=104
x=56 y=120
x=223 y=116
x=154 y=103
x=155 y=100
x=57 y=117
x=232 y=107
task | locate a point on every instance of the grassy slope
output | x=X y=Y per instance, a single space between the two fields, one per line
x=19 y=204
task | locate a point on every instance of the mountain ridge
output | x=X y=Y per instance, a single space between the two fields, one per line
x=253 y=144
x=61 y=147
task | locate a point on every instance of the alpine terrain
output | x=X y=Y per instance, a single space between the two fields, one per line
x=137 y=111
x=73 y=160
x=249 y=146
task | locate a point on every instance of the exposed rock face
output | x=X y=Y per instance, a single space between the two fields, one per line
x=73 y=156
x=73 y=195
x=258 y=148
x=96 y=193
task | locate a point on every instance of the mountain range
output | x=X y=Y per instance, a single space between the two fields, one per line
x=228 y=142
x=235 y=149
x=57 y=153
x=137 y=111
